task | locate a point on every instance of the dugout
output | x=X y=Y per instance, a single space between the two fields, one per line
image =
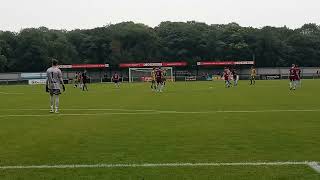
x=210 y=70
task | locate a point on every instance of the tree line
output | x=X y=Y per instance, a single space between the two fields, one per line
x=32 y=49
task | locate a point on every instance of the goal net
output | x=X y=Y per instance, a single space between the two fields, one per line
x=144 y=74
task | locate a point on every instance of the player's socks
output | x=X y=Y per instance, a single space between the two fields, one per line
x=161 y=88
x=57 y=102
x=294 y=85
x=51 y=102
x=51 y=109
x=227 y=84
x=84 y=87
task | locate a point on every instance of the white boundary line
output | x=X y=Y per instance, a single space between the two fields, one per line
x=315 y=166
x=75 y=166
x=84 y=114
x=170 y=111
x=81 y=109
x=140 y=112
x=11 y=93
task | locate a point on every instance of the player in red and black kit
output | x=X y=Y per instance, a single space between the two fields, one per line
x=85 y=79
x=293 y=77
x=116 y=79
x=235 y=77
x=226 y=74
x=159 y=79
x=298 y=76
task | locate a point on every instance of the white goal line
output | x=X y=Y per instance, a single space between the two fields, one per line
x=314 y=165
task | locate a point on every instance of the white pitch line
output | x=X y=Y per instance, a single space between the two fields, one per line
x=315 y=166
x=75 y=166
x=178 y=112
x=80 y=114
x=272 y=110
x=147 y=112
x=79 y=109
x=11 y=93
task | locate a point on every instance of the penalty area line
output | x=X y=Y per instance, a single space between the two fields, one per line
x=102 y=165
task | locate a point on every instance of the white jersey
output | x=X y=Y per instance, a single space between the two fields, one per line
x=54 y=78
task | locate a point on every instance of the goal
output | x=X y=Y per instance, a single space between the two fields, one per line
x=144 y=74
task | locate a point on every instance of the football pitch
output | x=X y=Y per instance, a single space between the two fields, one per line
x=193 y=130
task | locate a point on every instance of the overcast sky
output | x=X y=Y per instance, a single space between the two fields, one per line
x=83 y=14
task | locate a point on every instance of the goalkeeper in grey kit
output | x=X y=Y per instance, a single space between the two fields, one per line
x=54 y=81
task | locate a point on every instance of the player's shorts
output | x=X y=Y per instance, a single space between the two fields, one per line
x=153 y=81
x=292 y=78
x=116 y=81
x=159 y=80
x=253 y=77
x=54 y=91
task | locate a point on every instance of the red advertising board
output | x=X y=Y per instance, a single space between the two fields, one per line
x=224 y=63
x=163 y=64
x=83 y=66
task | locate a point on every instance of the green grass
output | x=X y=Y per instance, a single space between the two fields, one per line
x=162 y=137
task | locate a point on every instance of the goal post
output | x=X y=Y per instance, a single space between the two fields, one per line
x=144 y=74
